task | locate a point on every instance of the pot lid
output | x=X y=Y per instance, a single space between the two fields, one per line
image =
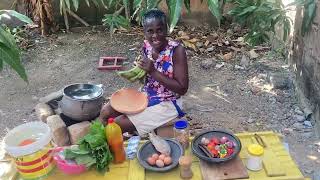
x=83 y=91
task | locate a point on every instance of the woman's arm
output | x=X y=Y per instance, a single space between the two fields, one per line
x=180 y=81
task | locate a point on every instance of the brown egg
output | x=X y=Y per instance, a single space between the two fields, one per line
x=155 y=156
x=162 y=156
x=159 y=163
x=167 y=161
x=151 y=161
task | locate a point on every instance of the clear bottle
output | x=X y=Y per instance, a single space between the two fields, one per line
x=182 y=133
x=255 y=153
x=115 y=141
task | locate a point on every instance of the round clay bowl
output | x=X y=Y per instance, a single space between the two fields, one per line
x=129 y=101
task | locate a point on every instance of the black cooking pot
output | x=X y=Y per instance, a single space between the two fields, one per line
x=82 y=102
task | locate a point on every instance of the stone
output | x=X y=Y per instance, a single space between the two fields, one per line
x=52 y=96
x=298 y=126
x=60 y=135
x=287 y=130
x=43 y=111
x=244 y=61
x=237 y=67
x=299 y=118
x=307 y=124
x=253 y=54
x=210 y=49
x=199 y=44
x=207 y=63
x=202 y=50
x=250 y=120
x=280 y=80
x=77 y=131
x=298 y=111
x=228 y=56
x=219 y=66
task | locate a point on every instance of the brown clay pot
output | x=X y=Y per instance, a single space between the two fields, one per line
x=129 y=101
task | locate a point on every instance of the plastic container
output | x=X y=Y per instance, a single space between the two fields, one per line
x=29 y=145
x=67 y=167
x=255 y=153
x=182 y=133
x=115 y=141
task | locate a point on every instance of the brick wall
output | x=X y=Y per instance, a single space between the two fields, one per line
x=305 y=61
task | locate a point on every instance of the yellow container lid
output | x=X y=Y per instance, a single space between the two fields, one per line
x=255 y=149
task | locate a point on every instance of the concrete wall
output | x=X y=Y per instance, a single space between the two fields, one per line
x=305 y=61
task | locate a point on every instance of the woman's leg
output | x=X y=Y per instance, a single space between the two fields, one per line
x=106 y=112
x=125 y=124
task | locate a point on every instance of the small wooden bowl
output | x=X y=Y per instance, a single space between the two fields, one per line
x=129 y=101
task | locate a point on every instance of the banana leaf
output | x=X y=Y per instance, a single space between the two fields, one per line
x=174 y=7
x=21 y=17
x=187 y=5
x=214 y=8
x=75 y=4
x=309 y=14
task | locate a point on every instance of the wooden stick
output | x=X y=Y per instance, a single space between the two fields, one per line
x=78 y=18
x=205 y=150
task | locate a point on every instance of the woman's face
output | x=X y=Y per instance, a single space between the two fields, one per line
x=155 y=32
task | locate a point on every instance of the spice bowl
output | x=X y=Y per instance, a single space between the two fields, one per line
x=196 y=145
x=147 y=149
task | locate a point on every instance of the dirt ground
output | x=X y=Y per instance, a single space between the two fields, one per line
x=224 y=98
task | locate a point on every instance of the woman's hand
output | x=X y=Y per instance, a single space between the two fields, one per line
x=147 y=65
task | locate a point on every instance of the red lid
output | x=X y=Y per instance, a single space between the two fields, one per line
x=110 y=120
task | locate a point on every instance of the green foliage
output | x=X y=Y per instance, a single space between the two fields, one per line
x=115 y=21
x=309 y=14
x=214 y=8
x=174 y=12
x=92 y=149
x=74 y=4
x=9 y=51
x=261 y=17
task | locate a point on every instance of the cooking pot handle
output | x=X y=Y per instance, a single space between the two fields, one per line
x=101 y=86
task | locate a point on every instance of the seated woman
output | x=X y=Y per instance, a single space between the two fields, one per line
x=167 y=79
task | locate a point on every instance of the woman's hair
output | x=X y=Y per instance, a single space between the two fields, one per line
x=154 y=14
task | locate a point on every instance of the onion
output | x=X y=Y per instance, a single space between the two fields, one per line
x=229 y=144
x=223 y=140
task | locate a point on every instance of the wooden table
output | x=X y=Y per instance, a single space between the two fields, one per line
x=277 y=162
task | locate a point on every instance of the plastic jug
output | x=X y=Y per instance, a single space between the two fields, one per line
x=115 y=141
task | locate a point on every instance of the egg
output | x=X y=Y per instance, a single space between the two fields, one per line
x=151 y=161
x=155 y=156
x=162 y=156
x=167 y=161
x=159 y=163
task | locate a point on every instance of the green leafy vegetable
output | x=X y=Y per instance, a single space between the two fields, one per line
x=92 y=150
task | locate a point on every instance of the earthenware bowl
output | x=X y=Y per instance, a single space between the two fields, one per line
x=129 y=101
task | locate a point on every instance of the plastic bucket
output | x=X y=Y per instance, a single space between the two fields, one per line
x=34 y=159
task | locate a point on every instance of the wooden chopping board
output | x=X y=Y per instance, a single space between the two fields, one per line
x=233 y=169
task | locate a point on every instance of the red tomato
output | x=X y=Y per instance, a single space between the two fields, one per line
x=210 y=146
x=230 y=151
x=214 y=152
x=215 y=140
